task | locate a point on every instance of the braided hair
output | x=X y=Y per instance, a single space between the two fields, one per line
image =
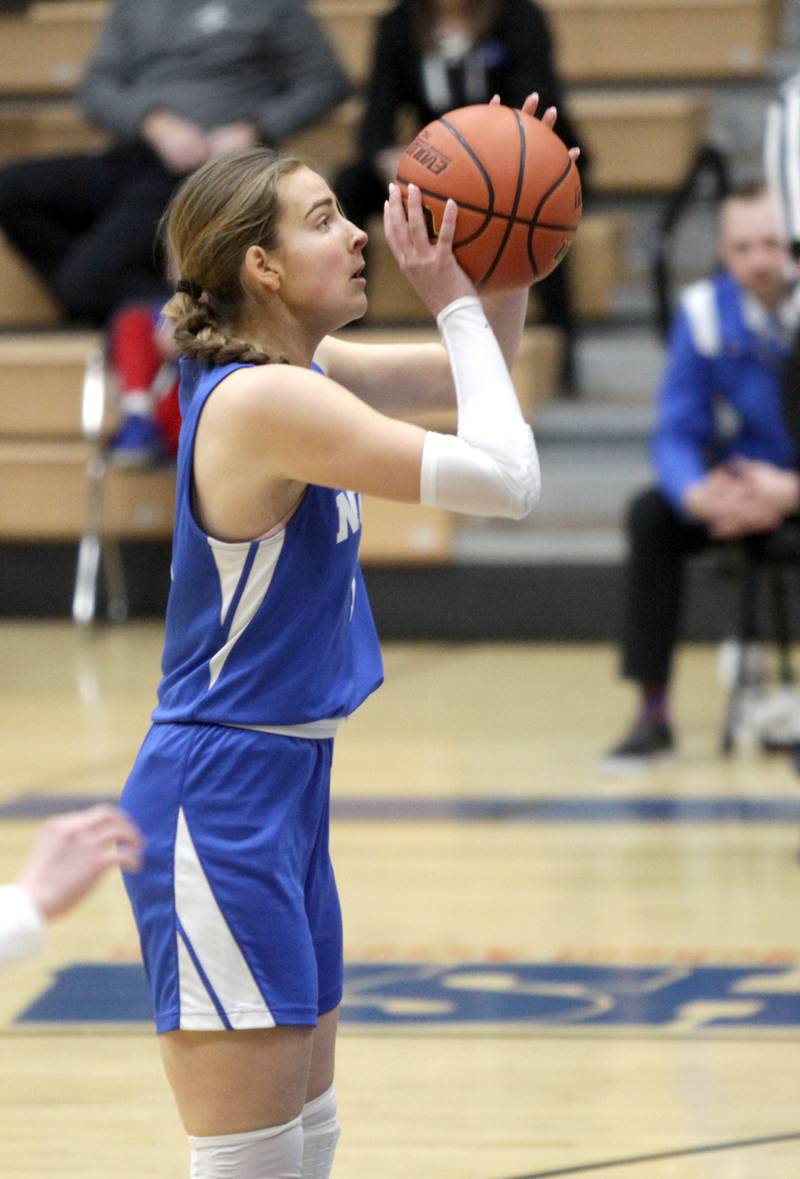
x=217 y=213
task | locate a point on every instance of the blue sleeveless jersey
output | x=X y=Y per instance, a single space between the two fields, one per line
x=269 y=632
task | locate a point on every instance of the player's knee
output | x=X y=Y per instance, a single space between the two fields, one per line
x=273 y=1153
x=320 y=1135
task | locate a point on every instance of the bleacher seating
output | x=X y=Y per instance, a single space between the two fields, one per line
x=29 y=129
x=44 y=454
x=659 y=40
x=642 y=142
x=24 y=301
x=597 y=258
x=45 y=48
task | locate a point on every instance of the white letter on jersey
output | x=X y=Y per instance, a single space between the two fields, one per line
x=349 y=505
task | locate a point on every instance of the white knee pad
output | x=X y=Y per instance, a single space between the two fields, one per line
x=273 y=1153
x=320 y=1135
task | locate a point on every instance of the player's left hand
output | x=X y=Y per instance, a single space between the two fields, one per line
x=430 y=267
x=530 y=107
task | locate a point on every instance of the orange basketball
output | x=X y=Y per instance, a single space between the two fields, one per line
x=517 y=190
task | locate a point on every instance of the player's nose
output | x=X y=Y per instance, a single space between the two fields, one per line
x=359 y=238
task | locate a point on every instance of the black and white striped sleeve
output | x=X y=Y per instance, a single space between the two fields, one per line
x=782 y=158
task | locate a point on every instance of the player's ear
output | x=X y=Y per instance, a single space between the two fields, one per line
x=260 y=270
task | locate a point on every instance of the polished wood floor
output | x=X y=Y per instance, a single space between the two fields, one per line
x=432 y=876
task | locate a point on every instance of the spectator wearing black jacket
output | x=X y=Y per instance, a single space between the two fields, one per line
x=434 y=55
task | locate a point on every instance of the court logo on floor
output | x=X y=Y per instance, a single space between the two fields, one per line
x=672 y=1000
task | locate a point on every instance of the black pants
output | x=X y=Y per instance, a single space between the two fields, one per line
x=87 y=225
x=362 y=193
x=659 y=542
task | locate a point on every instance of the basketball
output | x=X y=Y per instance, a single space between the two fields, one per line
x=517 y=190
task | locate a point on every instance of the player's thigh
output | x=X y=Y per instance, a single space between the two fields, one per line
x=234 y=1082
x=323 y=1055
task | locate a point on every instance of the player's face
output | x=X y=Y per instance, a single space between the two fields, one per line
x=752 y=249
x=321 y=252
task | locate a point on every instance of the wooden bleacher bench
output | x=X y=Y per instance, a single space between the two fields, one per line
x=55 y=412
x=43 y=491
x=29 y=129
x=45 y=49
x=597 y=258
x=535 y=370
x=598 y=261
x=328 y=144
x=609 y=40
x=641 y=142
x=56 y=486
x=24 y=300
x=638 y=40
x=350 y=24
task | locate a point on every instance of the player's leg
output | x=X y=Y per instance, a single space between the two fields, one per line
x=240 y=1097
x=320 y=1125
x=225 y=936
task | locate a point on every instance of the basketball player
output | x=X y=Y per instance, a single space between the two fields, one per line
x=68 y=858
x=269 y=637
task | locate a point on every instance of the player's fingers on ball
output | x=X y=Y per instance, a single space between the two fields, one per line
x=531 y=104
x=447 y=230
x=549 y=117
x=574 y=154
x=416 y=220
x=494 y=100
x=397 y=221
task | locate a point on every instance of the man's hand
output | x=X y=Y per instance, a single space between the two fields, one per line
x=741 y=498
x=233 y=137
x=73 y=851
x=771 y=486
x=180 y=145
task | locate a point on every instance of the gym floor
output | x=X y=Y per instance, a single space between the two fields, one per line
x=549 y=972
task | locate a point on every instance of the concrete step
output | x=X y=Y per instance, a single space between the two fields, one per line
x=619 y=365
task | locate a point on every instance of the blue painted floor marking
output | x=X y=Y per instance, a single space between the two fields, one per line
x=577 y=809
x=686 y=999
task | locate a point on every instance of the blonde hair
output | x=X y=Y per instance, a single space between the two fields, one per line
x=217 y=213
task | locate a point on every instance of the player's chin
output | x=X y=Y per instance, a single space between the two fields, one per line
x=357 y=310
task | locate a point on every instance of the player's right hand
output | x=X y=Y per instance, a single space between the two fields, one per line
x=430 y=267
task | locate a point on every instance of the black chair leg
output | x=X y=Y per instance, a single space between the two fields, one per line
x=748 y=608
x=780 y=620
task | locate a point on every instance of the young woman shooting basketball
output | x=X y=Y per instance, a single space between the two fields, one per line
x=269 y=637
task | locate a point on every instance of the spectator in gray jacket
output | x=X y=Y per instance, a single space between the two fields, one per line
x=175 y=85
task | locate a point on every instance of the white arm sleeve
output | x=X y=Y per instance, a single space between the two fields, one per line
x=491 y=468
x=21 y=925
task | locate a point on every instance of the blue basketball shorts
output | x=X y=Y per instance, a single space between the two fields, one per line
x=236 y=903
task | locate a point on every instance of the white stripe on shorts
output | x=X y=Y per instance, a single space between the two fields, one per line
x=215 y=948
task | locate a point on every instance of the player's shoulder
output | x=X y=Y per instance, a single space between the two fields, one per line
x=261 y=392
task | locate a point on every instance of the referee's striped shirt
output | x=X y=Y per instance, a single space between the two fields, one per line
x=782 y=157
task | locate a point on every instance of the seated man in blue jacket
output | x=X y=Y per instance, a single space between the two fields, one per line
x=724 y=458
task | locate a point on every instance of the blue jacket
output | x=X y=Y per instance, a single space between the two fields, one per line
x=720 y=393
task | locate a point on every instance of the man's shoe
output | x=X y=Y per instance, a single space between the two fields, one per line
x=137 y=443
x=647 y=743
